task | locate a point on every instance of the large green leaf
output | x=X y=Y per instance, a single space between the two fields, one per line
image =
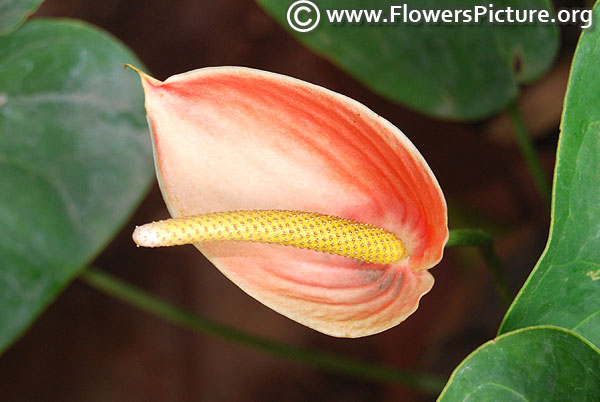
x=564 y=287
x=75 y=159
x=14 y=12
x=460 y=72
x=534 y=364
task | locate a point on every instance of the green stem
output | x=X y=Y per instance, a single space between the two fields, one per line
x=160 y=308
x=485 y=243
x=527 y=149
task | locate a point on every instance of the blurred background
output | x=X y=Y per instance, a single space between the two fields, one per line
x=87 y=346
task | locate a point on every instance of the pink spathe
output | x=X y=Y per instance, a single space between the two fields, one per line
x=231 y=138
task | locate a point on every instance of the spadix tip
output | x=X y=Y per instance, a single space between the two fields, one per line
x=146 y=236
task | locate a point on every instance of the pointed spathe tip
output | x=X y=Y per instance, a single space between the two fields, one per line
x=145 y=77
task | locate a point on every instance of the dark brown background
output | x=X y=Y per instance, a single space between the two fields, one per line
x=89 y=347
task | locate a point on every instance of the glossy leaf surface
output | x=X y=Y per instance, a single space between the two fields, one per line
x=75 y=159
x=14 y=12
x=564 y=288
x=459 y=72
x=533 y=364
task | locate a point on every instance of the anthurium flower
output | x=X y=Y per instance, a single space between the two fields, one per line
x=306 y=199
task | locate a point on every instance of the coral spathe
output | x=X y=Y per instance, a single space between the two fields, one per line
x=232 y=138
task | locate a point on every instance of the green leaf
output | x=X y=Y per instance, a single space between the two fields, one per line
x=564 y=287
x=75 y=159
x=533 y=364
x=459 y=72
x=13 y=13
